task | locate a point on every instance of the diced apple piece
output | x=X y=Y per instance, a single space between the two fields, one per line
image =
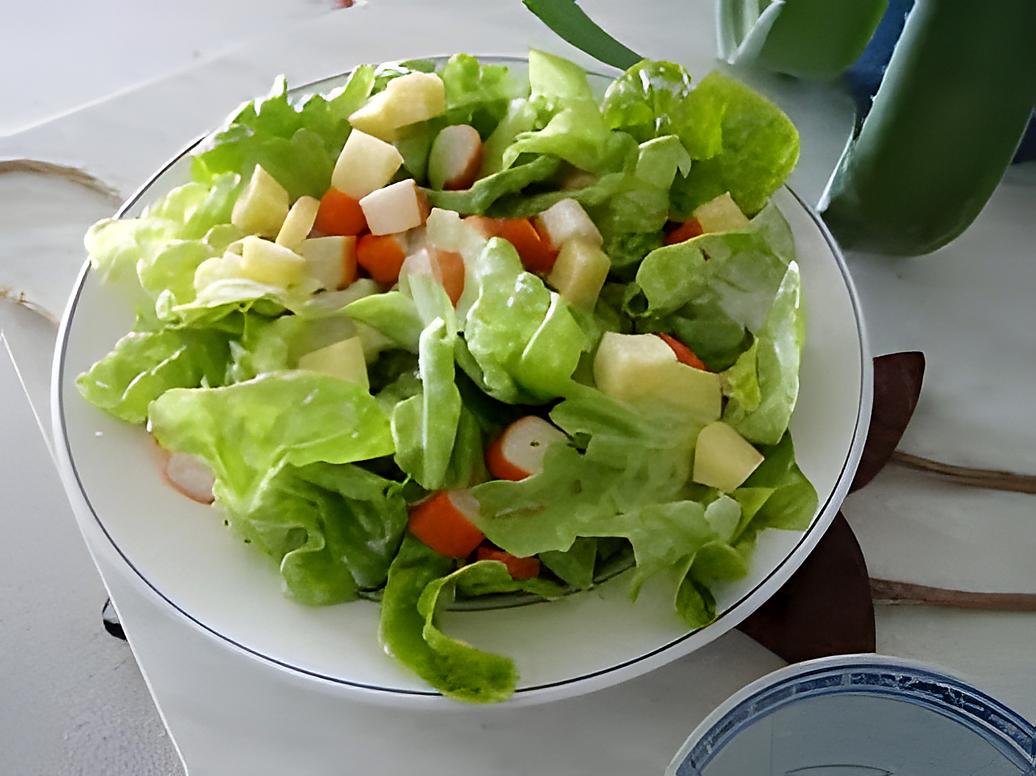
x=394 y=208
x=518 y=452
x=299 y=222
x=721 y=215
x=455 y=157
x=564 y=220
x=262 y=207
x=343 y=359
x=722 y=457
x=365 y=164
x=642 y=367
x=579 y=272
x=331 y=261
x=266 y=262
x=406 y=100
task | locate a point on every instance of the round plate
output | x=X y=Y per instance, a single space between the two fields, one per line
x=583 y=642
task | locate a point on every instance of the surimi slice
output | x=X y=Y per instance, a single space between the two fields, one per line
x=518 y=452
x=518 y=568
x=444 y=522
x=191 y=476
x=455 y=157
x=382 y=256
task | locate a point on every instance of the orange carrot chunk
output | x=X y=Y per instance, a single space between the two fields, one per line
x=382 y=256
x=443 y=523
x=518 y=568
x=683 y=353
x=685 y=231
x=340 y=214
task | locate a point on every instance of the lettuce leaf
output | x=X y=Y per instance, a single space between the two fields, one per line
x=523 y=337
x=757 y=146
x=777 y=494
x=119 y=247
x=477 y=93
x=418 y=579
x=644 y=99
x=485 y=191
x=145 y=364
x=519 y=117
x=778 y=348
x=296 y=143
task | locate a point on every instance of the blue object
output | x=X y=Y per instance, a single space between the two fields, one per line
x=859 y=715
x=865 y=75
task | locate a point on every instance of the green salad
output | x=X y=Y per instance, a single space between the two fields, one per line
x=451 y=332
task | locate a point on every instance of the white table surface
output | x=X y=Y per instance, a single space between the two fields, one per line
x=73 y=700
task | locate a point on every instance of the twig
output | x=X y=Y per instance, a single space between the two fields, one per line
x=991 y=479
x=70 y=174
x=892 y=593
x=19 y=298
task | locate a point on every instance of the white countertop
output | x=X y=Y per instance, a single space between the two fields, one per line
x=74 y=701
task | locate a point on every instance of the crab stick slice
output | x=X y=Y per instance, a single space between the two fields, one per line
x=518 y=452
x=444 y=523
x=518 y=568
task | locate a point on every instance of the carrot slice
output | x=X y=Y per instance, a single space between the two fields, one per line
x=442 y=522
x=536 y=253
x=685 y=231
x=683 y=353
x=382 y=256
x=340 y=214
x=518 y=568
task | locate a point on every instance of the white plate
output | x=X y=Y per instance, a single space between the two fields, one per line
x=581 y=643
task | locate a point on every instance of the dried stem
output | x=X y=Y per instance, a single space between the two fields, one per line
x=63 y=171
x=20 y=298
x=892 y=593
x=991 y=479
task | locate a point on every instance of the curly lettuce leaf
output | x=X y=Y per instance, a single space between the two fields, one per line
x=778 y=347
x=418 y=579
x=145 y=364
x=120 y=247
x=334 y=529
x=777 y=494
x=477 y=93
x=644 y=99
x=758 y=145
x=485 y=191
x=523 y=337
x=296 y=143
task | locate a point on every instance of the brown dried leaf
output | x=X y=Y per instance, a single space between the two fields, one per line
x=825 y=608
x=897 y=388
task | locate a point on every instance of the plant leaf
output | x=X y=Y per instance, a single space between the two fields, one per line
x=825 y=608
x=570 y=22
x=897 y=387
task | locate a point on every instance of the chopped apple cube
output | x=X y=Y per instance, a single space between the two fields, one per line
x=331 y=261
x=406 y=100
x=579 y=272
x=564 y=220
x=723 y=459
x=365 y=164
x=721 y=215
x=642 y=367
x=262 y=207
x=297 y=225
x=266 y=262
x=455 y=157
x=343 y=359
x=394 y=208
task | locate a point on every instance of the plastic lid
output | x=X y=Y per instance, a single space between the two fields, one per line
x=860 y=715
